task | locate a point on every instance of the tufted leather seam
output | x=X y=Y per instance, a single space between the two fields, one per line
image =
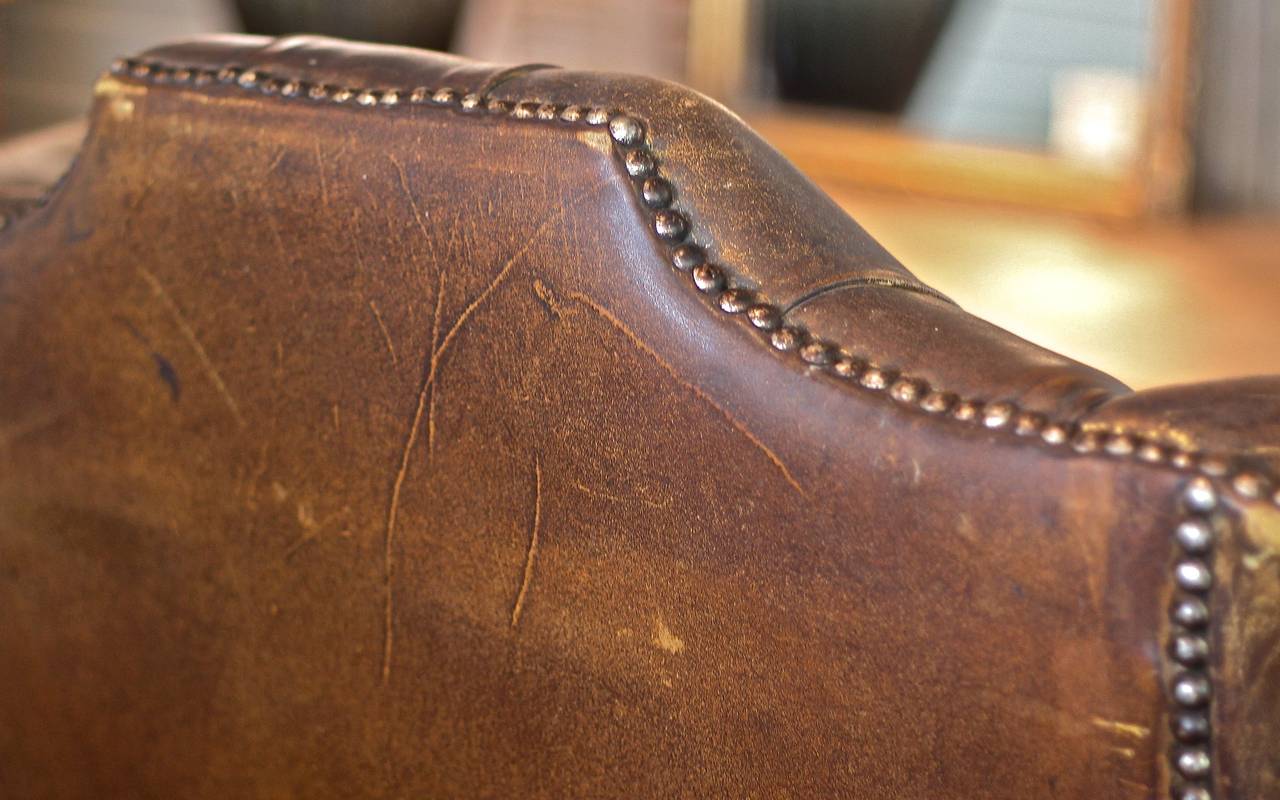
x=1187 y=676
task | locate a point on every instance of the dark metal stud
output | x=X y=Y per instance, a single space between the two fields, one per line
x=596 y=116
x=1151 y=453
x=937 y=402
x=1191 y=690
x=735 y=301
x=141 y=70
x=204 y=77
x=670 y=225
x=708 y=278
x=318 y=92
x=764 y=316
x=119 y=66
x=626 y=130
x=1192 y=793
x=291 y=88
x=1195 y=536
x=1248 y=485
x=1190 y=727
x=847 y=367
x=639 y=163
x=1200 y=495
x=906 y=390
x=876 y=379
x=1086 y=442
x=342 y=95
x=656 y=193
x=444 y=96
x=496 y=106
x=228 y=74
x=1194 y=764
x=571 y=113
x=390 y=97
x=1028 y=423
x=247 y=79
x=966 y=411
x=470 y=101
x=1055 y=434
x=1120 y=445
x=270 y=85
x=419 y=95
x=547 y=111
x=997 y=415
x=1191 y=613
x=687 y=256
x=524 y=110
x=1189 y=650
x=786 y=338
x=1193 y=576
x=1214 y=467
x=817 y=353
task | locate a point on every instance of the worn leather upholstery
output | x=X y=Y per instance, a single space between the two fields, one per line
x=371 y=445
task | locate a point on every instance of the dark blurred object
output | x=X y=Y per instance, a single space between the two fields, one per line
x=862 y=54
x=418 y=23
x=1238 y=130
x=51 y=51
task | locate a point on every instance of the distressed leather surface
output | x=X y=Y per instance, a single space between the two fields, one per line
x=380 y=453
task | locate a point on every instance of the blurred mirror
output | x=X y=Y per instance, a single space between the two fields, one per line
x=1073 y=103
x=1078 y=105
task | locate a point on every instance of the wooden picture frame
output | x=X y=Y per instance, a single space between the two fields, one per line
x=842 y=147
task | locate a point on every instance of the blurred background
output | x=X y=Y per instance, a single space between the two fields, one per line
x=1099 y=176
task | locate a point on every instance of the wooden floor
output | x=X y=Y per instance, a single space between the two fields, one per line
x=1151 y=303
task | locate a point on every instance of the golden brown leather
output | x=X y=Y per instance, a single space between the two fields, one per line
x=372 y=450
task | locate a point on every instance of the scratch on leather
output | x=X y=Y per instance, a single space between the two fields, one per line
x=435 y=359
x=424 y=400
x=548 y=298
x=189 y=334
x=533 y=543
x=546 y=224
x=324 y=186
x=637 y=494
x=418 y=216
x=1130 y=729
x=609 y=317
x=386 y=336
x=393 y=506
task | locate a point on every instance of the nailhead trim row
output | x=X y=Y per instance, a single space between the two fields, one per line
x=1190 y=688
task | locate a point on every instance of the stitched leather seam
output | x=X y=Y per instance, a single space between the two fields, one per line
x=1186 y=665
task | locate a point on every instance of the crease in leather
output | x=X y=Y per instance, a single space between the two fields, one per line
x=511 y=74
x=858 y=282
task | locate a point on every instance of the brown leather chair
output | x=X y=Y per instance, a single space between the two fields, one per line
x=382 y=424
